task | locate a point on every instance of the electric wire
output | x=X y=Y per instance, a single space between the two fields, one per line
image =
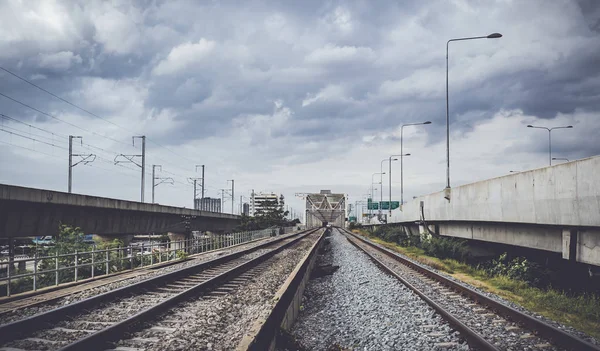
x=89 y=112
x=61 y=120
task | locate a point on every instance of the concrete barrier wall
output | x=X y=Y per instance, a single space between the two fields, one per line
x=564 y=194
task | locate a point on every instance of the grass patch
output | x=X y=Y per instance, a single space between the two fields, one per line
x=581 y=312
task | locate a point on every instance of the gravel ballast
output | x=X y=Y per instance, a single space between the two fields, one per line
x=73 y=328
x=218 y=322
x=78 y=296
x=502 y=336
x=359 y=307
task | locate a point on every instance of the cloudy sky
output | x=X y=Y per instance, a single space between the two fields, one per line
x=292 y=96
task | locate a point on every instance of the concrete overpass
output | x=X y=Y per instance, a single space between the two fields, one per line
x=37 y=212
x=555 y=209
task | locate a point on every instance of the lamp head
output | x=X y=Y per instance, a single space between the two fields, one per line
x=494 y=36
x=569 y=126
x=529 y=126
x=428 y=122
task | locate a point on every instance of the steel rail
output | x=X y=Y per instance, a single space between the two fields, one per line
x=543 y=329
x=473 y=338
x=15 y=330
x=102 y=339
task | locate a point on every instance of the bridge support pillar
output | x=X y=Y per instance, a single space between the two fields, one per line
x=126 y=239
x=177 y=240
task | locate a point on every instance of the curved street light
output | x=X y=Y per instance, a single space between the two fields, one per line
x=490 y=36
x=549 y=137
x=373 y=175
x=402 y=163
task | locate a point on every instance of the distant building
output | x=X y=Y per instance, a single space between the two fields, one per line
x=208 y=204
x=259 y=202
x=246 y=209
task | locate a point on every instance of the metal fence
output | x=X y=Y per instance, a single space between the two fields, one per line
x=43 y=271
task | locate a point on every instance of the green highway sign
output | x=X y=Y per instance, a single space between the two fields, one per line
x=385 y=205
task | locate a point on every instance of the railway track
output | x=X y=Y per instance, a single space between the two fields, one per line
x=19 y=307
x=485 y=323
x=96 y=322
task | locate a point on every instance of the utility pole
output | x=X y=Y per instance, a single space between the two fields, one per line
x=130 y=158
x=222 y=200
x=143 y=165
x=232 y=193
x=162 y=180
x=194 y=181
x=85 y=159
x=203 y=181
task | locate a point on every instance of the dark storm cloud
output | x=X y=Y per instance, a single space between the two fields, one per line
x=254 y=49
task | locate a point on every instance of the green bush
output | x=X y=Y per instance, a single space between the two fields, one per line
x=519 y=268
x=354 y=225
x=181 y=255
x=446 y=248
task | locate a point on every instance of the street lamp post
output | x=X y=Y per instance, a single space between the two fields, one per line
x=402 y=159
x=549 y=138
x=374 y=174
x=390 y=182
x=381 y=182
x=491 y=36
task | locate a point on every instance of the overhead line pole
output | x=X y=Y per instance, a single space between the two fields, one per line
x=162 y=180
x=232 y=193
x=129 y=158
x=84 y=158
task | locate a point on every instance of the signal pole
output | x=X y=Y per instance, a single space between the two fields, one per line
x=85 y=159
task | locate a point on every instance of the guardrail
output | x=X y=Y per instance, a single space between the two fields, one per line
x=54 y=270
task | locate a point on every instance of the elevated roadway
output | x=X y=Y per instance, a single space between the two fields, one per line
x=38 y=212
x=554 y=208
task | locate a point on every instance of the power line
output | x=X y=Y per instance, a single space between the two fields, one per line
x=26 y=148
x=31 y=134
x=89 y=112
x=58 y=97
x=31 y=126
x=34 y=139
x=58 y=119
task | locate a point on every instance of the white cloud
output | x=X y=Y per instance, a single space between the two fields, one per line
x=118 y=31
x=60 y=61
x=184 y=55
x=331 y=54
x=330 y=93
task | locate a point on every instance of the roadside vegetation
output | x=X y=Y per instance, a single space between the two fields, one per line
x=272 y=215
x=68 y=241
x=514 y=278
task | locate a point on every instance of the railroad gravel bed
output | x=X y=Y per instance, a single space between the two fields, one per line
x=359 y=307
x=500 y=332
x=219 y=322
x=74 y=327
x=517 y=307
x=72 y=298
